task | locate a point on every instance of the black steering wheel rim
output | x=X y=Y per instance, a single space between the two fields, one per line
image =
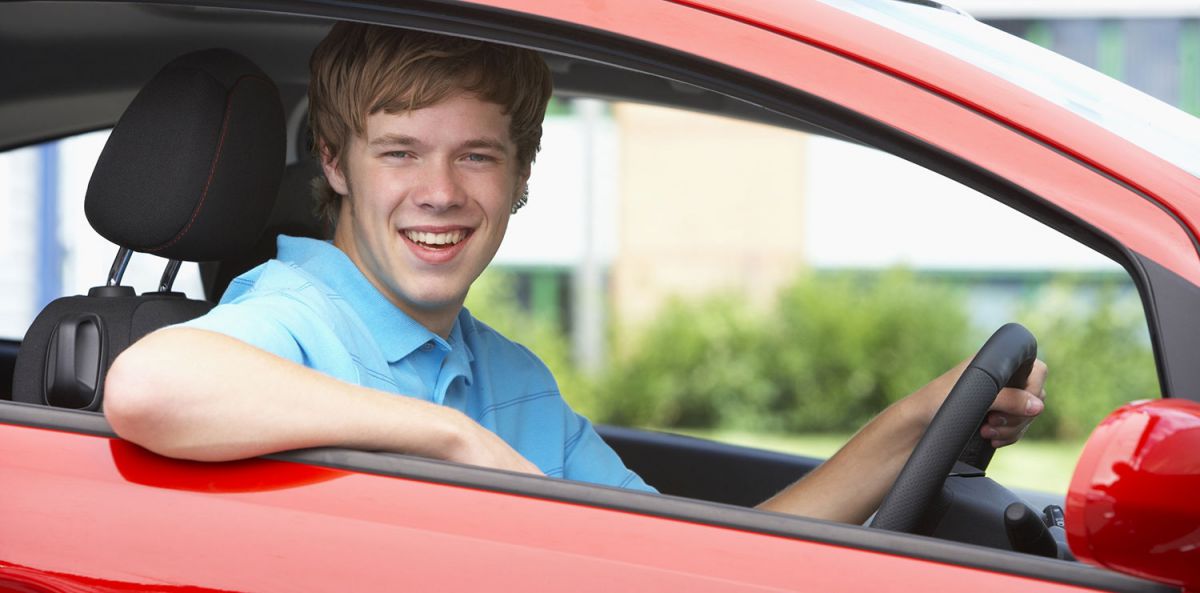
x=1005 y=359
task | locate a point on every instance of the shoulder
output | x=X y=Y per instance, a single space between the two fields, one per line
x=276 y=307
x=278 y=283
x=484 y=341
x=513 y=370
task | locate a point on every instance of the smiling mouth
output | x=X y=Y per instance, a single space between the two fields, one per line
x=436 y=240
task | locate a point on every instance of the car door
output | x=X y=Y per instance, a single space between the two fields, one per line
x=84 y=509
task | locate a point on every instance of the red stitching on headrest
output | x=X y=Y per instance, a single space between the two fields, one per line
x=213 y=169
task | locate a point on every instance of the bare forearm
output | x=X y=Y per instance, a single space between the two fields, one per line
x=849 y=486
x=200 y=395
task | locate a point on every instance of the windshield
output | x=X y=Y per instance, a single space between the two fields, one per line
x=1148 y=122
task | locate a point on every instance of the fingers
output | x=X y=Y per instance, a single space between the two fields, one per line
x=1012 y=413
x=1014 y=409
x=1005 y=435
x=1016 y=404
x=1036 y=383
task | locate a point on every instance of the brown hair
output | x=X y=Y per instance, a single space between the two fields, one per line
x=359 y=70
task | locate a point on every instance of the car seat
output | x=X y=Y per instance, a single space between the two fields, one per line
x=294 y=214
x=189 y=173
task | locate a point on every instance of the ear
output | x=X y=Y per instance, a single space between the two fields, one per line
x=333 y=172
x=521 y=192
x=523 y=178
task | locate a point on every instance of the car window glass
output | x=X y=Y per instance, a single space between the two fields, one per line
x=47 y=244
x=774 y=288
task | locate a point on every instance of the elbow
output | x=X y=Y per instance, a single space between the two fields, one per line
x=136 y=400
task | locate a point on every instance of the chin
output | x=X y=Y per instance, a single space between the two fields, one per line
x=430 y=300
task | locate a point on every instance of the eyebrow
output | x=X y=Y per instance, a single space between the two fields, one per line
x=406 y=140
x=491 y=143
x=394 y=140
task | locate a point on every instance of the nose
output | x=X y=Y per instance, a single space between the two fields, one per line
x=441 y=189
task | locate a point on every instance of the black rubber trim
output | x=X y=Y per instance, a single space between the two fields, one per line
x=425 y=470
x=61 y=419
x=8 y=366
x=1171 y=304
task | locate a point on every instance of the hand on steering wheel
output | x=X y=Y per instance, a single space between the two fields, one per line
x=1005 y=359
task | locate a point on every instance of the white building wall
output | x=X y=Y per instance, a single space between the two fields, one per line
x=549 y=230
x=18 y=237
x=903 y=214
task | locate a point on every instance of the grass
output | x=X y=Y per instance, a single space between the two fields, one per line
x=1034 y=465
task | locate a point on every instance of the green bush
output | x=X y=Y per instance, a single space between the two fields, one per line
x=845 y=346
x=1097 y=348
x=836 y=350
x=697 y=365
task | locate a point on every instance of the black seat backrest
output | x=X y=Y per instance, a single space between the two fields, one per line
x=189 y=173
x=294 y=214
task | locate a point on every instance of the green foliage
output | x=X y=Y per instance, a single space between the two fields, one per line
x=835 y=350
x=845 y=346
x=1096 y=345
x=698 y=364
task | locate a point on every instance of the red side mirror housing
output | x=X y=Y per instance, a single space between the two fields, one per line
x=1134 y=501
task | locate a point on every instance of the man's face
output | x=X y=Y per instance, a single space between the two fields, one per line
x=427 y=199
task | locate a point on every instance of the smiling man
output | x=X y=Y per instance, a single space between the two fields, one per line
x=426 y=144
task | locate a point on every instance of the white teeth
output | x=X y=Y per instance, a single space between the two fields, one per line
x=449 y=238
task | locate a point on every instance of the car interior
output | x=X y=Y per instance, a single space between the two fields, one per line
x=94 y=59
x=93 y=96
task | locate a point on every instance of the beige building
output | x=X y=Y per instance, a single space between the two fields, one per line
x=706 y=204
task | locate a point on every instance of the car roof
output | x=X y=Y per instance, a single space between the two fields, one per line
x=73 y=67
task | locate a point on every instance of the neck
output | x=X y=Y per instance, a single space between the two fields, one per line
x=438 y=319
x=439 y=322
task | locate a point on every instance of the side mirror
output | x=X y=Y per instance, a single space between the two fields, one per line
x=1132 y=506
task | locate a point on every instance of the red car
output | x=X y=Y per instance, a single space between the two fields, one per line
x=82 y=510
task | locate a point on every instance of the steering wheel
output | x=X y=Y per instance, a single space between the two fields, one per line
x=1004 y=360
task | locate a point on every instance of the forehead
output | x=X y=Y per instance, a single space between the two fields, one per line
x=459 y=116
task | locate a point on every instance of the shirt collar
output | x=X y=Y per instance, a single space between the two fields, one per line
x=397 y=334
x=461 y=356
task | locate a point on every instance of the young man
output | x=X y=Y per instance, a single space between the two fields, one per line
x=426 y=144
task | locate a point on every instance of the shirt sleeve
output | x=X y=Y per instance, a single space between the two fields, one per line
x=267 y=321
x=590 y=459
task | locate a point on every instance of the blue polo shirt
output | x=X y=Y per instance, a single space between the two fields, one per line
x=313 y=306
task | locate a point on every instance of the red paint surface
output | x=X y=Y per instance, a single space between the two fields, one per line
x=85 y=513
x=1132 y=505
x=74 y=521
x=932 y=96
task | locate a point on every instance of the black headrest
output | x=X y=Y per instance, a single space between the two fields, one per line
x=192 y=168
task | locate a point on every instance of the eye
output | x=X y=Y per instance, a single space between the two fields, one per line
x=397 y=154
x=475 y=157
